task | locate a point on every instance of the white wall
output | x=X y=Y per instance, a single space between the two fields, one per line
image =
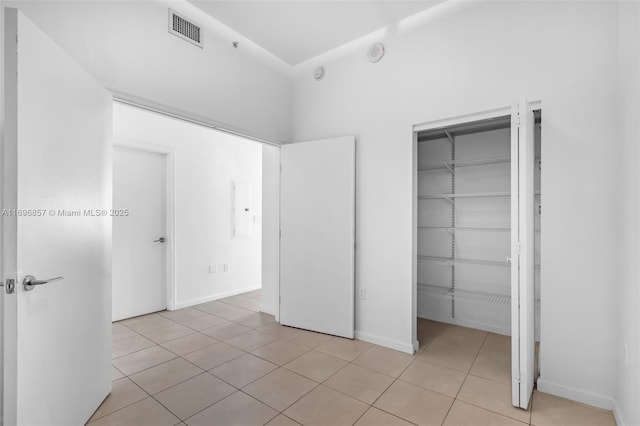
x=127 y=47
x=466 y=57
x=627 y=348
x=206 y=163
x=270 y=229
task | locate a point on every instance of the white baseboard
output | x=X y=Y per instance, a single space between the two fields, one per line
x=387 y=343
x=210 y=298
x=617 y=414
x=585 y=397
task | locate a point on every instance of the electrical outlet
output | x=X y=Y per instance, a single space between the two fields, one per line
x=225 y=267
x=363 y=293
x=213 y=269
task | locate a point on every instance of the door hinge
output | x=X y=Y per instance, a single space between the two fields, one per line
x=518 y=248
x=10 y=285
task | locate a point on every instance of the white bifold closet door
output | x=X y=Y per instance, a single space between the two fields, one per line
x=522 y=254
x=57 y=172
x=317 y=222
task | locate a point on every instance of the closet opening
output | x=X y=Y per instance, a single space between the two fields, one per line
x=464 y=240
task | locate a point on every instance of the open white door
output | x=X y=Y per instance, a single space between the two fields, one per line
x=57 y=192
x=317 y=222
x=522 y=254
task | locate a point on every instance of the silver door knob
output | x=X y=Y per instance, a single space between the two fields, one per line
x=160 y=240
x=29 y=282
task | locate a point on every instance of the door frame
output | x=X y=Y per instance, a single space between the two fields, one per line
x=428 y=125
x=169 y=156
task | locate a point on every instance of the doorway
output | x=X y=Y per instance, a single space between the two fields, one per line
x=213 y=199
x=477 y=228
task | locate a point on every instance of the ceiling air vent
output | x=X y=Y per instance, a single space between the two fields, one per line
x=185 y=29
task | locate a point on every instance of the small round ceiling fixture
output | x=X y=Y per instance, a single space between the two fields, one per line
x=376 y=52
x=318 y=73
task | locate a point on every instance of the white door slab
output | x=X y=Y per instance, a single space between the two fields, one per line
x=318 y=236
x=522 y=254
x=139 y=259
x=57 y=174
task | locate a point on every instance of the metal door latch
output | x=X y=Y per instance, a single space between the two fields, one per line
x=10 y=285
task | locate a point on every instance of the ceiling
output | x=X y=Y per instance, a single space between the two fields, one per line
x=297 y=30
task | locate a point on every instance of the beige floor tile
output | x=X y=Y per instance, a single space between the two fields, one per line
x=462 y=414
x=308 y=339
x=375 y=417
x=256 y=320
x=414 y=404
x=241 y=301
x=124 y=392
x=360 y=383
x=492 y=396
x=170 y=332
x=116 y=374
x=119 y=331
x=448 y=355
x=204 y=322
x=384 y=360
x=189 y=343
x=213 y=355
x=211 y=307
x=496 y=346
x=238 y=409
x=277 y=330
x=280 y=352
x=323 y=406
x=139 y=318
x=129 y=345
x=316 y=366
x=459 y=342
x=280 y=388
x=141 y=360
x=163 y=376
x=282 y=420
x=345 y=349
x=157 y=321
x=147 y=412
x=183 y=315
x=434 y=377
x=549 y=410
x=254 y=294
x=191 y=396
x=250 y=340
x=232 y=313
x=226 y=331
x=496 y=369
x=243 y=370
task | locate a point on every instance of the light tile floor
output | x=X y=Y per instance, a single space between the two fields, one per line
x=224 y=363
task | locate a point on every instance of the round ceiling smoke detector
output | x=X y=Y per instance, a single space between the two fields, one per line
x=376 y=52
x=318 y=74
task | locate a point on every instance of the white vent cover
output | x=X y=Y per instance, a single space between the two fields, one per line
x=184 y=28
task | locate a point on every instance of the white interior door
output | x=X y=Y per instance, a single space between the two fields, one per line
x=57 y=175
x=139 y=233
x=522 y=254
x=318 y=235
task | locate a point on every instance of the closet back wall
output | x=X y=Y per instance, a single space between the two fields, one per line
x=467 y=57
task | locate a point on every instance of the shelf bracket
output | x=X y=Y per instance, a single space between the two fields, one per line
x=448 y=166
x=451 y=139
x=444 y=197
